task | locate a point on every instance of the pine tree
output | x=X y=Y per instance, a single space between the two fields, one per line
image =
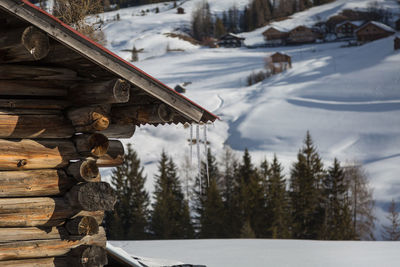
x=392 y=231
x=306 y=192
x=170 y=217
x=361 y=201
x=278 y=217
x=338 y=222
x=130 y=217
x=219 y=29
x=251 y=195
x=231 y=194
x=208 y=203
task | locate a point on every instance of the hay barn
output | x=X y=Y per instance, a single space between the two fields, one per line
x=372 y=31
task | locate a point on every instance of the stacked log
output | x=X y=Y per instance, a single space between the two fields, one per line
x=52 y=199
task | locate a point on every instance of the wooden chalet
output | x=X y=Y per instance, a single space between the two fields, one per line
x=64 y=103
x=373 y=30
x=275 y=36
x=397 y=43
x=231 y=40
x=283 y=58
x=301 y=35
x=347 y=29
x=180 y=10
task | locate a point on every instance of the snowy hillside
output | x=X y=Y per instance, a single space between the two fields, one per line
x=349 y=98
x=261 y=253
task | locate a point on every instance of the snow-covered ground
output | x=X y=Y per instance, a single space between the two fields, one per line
x=262 y=253
x=349 y=98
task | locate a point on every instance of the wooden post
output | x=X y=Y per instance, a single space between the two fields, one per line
x=23 y=44
x=114 y=156
x=84 y=170
x=91 y=145
x=90 y=119
x=113 y=91
x=34 y=183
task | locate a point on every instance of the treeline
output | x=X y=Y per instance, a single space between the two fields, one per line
x=257 y=14
x=129 y=3
x=236 y=199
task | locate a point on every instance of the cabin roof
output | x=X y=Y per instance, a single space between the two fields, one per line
x=115 y=66
x=278 y=28
x=356 y=23
x=378 y=24
x=232 y=35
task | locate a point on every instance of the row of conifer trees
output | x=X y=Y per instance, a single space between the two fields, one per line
x=237 y=199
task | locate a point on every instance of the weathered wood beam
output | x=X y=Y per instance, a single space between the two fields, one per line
x=50 y=248
x=15 y=125
x=25 y=72
x=89 y=119
x=82 y=225
x=58 y=54
x=38 y=262
x=88 y=256
x=53 y=211
x=84 y=170
x=114 y=156
x=92 y=197
x=35 y=104
x=91 y=145
x=109 y=92
x=29 y=88
x=23 y=44
x=142 y=114
x=34 y=183
x=120 y=130
x=26 y=154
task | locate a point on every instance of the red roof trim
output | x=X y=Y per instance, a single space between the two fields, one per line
x=112 y=54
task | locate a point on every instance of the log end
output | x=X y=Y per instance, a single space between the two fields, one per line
x=87 y=256
x=82 y=225
x=36 y=42
x=121 y=91
x=98 y=144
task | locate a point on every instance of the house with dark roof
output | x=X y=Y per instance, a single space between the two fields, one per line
x=301 y=35
x=372 y=31
x=347 y=29
x=275 y=36
x=231 y=40
x=65 y=101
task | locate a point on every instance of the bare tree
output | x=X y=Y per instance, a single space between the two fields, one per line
x=392 y=231
x=75 y=12
x=362 y=202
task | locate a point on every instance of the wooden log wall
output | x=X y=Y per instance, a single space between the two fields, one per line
x=55 y=131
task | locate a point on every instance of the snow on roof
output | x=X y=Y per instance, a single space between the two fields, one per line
x=234 y=35
x=378 y=24
x=357 y=23
x=278 y=28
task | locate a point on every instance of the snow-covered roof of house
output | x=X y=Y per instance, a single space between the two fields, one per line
x=356 y=23
x=378 y=24
x=102 y=63
x=233 y=35
x=278 y=28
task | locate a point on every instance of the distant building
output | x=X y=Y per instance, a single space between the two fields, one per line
x=301 y=34
x=397 y=43
x=347 y=29
x=275 y=36
x=398 y=24
x=373 y=30
x=231 y=40
x=180 y=10
x=279 y=62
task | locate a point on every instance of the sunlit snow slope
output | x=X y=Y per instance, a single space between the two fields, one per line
x=348 y=98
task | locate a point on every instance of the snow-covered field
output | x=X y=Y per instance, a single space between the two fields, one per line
x=263 y=253
x=349 y=98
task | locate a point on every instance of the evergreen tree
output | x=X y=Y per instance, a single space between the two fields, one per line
x=202 y=23
x=130 y=217
x=306 y=192
x=392 y=231
x=170 y=217
x=208 y=202
x=338 y=222
x=231 y=194
x=251 y=196
x=278 y=217
x=219 y=28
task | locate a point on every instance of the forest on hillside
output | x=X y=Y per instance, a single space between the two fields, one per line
x=234 y=198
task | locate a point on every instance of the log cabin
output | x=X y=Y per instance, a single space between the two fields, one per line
x=347 y=29
x=372 y=31
x=300 y=35
x=231 y=40
x=275 y=36
x=64 y=103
